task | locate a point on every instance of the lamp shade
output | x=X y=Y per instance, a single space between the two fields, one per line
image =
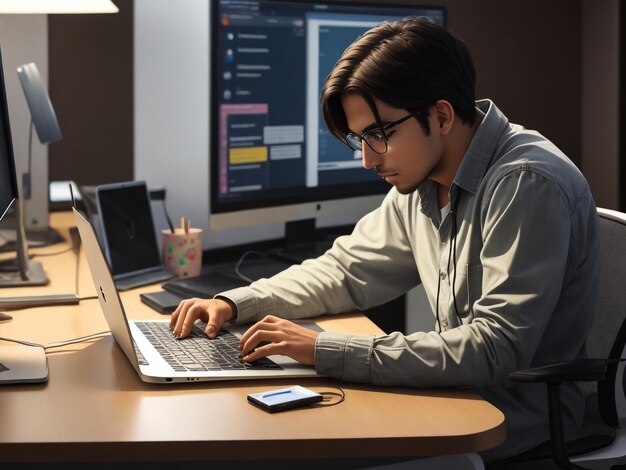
x=57 y=6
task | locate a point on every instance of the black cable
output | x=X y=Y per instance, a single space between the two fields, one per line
x=41 y=255
x=437 y=303
x=341 y=395
x=167 y=217
x=454 y=231
x=451 y=254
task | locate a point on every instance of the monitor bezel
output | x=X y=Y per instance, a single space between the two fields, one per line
x=6 y=129
x=298 y=203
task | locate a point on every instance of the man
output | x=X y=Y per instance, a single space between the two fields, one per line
x=495 y=222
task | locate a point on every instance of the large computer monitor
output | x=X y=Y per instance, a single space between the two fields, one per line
x=272 y=158
x=22 y=363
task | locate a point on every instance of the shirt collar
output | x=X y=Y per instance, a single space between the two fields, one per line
x=475 y=163
x=478 y=156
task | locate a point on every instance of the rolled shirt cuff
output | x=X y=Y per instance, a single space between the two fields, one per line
x=345 y=357
x=246 y=304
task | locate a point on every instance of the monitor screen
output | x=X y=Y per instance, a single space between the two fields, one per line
x=8 y=182
x=269 y=147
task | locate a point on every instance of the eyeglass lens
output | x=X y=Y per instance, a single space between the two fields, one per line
x=374 y=140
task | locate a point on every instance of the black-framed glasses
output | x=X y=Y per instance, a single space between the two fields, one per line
x=376 y=138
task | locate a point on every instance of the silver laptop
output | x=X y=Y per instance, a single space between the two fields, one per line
x=160 y=358
x=128 y=234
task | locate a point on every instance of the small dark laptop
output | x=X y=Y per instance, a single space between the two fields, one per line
x=129 y=238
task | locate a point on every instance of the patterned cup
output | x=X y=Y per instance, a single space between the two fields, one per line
x=182 y=252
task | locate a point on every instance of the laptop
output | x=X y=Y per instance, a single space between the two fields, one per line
x=160 y=358
x=128 y=234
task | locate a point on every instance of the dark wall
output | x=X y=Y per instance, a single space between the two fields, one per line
x=91 y=86
x=527 y=55
x=528 y=59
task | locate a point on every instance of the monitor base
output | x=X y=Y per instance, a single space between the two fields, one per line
x=10 y=275
x=23 y=364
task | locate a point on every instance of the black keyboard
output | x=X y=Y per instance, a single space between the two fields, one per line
x=197 y=352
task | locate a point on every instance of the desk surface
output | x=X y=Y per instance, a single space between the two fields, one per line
x=95 y=408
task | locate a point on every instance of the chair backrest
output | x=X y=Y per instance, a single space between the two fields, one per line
x=608 y=334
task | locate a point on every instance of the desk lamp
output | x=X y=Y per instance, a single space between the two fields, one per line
x=44 y=119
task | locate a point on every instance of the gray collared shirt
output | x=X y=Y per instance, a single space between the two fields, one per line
x=517 y=257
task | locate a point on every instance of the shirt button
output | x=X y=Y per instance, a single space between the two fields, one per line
x=445 y=323
x=442 y=275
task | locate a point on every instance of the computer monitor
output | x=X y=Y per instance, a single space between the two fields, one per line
x=272 y=158
x=20 y=271
x=21 y=364
x=8 y=183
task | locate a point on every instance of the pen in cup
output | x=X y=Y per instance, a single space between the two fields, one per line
x=185 y=227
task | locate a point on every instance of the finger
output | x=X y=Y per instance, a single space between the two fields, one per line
x=175 y=314
x=191 y=312
x=180 y=317
x=213 y=326
x=197 y=311
x=269 y=349
x=261 y=325
x=260 y=337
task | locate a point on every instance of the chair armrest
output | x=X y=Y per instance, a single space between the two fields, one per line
x=581 y=370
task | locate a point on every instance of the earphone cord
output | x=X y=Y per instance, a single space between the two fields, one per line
x=454 y=230
x=437 y=302
x=451 y=254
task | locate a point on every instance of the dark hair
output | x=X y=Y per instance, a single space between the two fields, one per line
x=411 y=64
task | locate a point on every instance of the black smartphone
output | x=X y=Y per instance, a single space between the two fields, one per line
x=284 y=398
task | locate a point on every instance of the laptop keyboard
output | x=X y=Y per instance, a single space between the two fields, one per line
x=140 y=358
x=198 y=353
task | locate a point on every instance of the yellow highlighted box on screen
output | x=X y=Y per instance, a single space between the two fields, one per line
x=247 y=155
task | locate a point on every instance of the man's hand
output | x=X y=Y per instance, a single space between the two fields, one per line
x=283 y=337
x=212 y=311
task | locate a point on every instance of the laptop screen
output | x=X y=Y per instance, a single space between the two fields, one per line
x=127 y=226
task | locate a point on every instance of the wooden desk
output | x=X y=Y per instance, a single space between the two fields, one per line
x=95 y=408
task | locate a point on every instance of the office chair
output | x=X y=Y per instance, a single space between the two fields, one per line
x=602 y=379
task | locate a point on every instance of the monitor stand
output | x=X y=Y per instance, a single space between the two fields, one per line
x=21 y=271
x=302 y=242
